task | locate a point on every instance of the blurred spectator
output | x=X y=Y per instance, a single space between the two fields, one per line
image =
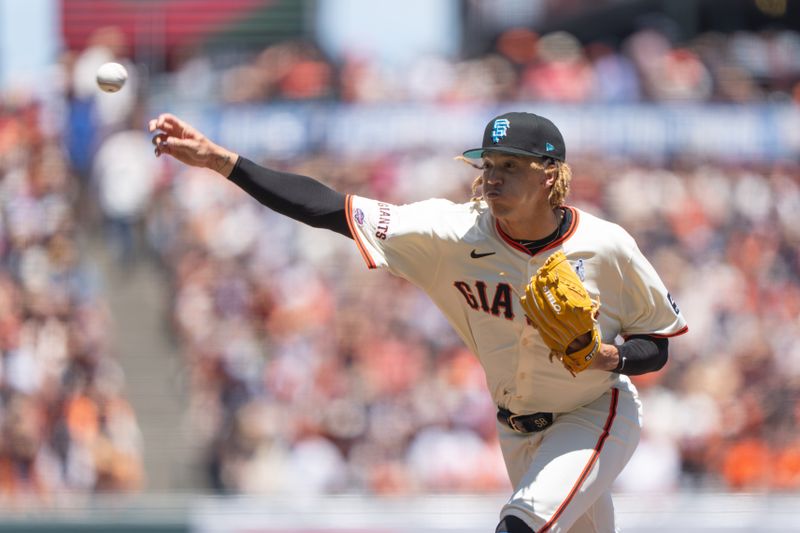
x=615 y=77
x=291 y=71
x=125 y=174
x=92 y=113
x=560 y=73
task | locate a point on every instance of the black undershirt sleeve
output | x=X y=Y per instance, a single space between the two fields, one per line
x=299 y=197
x=641 y=354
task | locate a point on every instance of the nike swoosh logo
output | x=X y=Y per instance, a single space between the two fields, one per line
x=475 y=255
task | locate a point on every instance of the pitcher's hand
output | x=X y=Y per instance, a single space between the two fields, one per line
x=183 y=142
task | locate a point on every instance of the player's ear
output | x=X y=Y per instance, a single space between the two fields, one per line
x=550 y=171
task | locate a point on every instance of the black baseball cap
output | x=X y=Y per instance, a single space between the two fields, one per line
x=521 y=134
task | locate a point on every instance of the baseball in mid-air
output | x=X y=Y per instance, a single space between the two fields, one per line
x=111 y=77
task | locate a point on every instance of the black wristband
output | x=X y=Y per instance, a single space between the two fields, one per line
x=641 y=354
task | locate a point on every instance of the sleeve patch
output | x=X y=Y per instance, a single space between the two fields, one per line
x=358 y=216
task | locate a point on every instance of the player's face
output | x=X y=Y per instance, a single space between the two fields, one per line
x=511 y=187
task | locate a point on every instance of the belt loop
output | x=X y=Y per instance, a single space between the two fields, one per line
x=512 y=423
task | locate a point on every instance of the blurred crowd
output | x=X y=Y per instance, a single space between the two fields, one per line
x=65 y=425
x=648 y=66
x=311 y=373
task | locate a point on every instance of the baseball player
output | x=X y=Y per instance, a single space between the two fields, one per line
x=559 y=306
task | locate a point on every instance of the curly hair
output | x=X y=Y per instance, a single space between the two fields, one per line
x=559 y=191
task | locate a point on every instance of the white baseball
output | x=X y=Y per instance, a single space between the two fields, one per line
x=111 y=77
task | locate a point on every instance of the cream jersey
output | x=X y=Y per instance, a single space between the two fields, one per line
x=459 y=255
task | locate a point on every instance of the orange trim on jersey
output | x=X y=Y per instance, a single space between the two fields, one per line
x=567 y=234
x=612 y=413
x=509 y=241
x=348 y=207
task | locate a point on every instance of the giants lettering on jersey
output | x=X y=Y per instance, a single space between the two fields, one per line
x=384 y=216
x=501 y=299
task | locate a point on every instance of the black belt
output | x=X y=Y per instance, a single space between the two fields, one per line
x=525 y=423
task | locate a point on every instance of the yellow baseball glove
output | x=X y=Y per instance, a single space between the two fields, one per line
x=560 y=307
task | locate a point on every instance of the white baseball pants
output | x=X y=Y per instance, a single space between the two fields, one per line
x=562 y=476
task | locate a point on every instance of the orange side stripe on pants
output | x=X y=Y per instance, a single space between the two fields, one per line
x=612 y=413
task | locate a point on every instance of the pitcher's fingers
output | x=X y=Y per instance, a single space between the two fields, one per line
x=157 y=124
x=169 y=123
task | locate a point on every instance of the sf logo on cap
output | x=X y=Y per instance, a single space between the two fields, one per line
x=500 y=129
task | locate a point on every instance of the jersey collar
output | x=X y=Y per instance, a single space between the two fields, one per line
x=567 y=234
